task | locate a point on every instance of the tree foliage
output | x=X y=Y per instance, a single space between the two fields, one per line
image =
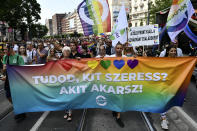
x=39 y=31
x=158 y=6
x=20 y=14
x=10 y=12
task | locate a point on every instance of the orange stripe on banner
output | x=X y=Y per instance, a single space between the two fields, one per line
x=101 y=12
x=175 y=2
x=107 y=23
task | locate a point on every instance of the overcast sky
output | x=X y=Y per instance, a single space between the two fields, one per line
x=51 y=7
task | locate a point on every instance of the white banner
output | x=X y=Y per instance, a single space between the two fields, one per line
x=143 y=35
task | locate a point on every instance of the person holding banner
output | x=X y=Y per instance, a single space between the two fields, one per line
x=84 y=52
x=51 y=56
x=22 y=52
x=118 y=53
x=102 y=52
x=11 y=58
x=66 y=51
x=74 y=53
x=109 y=47
x=58 y=49
x=171 y=51
x=179 y=51
x=128 y=51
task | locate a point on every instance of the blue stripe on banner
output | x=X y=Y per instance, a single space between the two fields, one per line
x=87 y=28
x=90 y=27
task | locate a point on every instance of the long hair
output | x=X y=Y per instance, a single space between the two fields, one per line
x=168 y=49
x=19 y=52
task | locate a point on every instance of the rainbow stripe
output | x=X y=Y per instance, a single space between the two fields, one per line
x=144 y=84
x=91 y=45
x=95 y=16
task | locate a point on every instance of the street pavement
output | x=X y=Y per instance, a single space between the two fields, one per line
x=99 y=119
x=190 y=105
x=102 y=120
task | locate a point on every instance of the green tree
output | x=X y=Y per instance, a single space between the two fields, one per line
x=38 y=30
x=158 y=6
x=18 y=12
x=30 y=12
x=10 y=12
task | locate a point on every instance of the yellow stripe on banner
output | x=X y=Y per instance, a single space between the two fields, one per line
x=104 y=23
x=98 y=16
x=180 y=1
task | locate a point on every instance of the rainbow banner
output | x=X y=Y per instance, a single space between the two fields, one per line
x=178 y=17
x=94 y=16
x=119 y=84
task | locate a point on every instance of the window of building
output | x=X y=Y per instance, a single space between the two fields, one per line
x=136 y=24
x=141 y=23
x=130 y=24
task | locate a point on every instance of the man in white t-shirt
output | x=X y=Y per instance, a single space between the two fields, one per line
x=118 y=53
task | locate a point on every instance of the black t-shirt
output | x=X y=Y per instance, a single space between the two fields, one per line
x=86 y=56
x=108 y=50
x=74 y=56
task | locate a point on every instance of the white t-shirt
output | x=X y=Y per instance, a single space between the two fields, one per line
x=30 y=55
x=179 y=53
x=98 y=56
x=114 y=55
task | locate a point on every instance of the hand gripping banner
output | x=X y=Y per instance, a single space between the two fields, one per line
x=119 y=84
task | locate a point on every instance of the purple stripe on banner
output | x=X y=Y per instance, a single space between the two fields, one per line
x=87 y=28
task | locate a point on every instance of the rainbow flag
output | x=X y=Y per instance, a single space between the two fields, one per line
x=95 y=16
x=91 y=45
x=178 y=17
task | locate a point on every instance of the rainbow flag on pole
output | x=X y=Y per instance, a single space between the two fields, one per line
x=178 y=17
x=95 y=16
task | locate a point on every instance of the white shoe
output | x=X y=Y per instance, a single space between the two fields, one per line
x=165 y=119
x=164 y=124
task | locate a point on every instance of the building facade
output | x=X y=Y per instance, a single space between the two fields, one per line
x=49 y=25
x=115 y=6
x=139 y=12
x=71 y=23
x=57 y=25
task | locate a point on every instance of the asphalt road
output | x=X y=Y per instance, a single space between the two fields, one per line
x=190 y=104
x=95 y=119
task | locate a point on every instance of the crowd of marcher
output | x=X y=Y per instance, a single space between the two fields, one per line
x=44 y=50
